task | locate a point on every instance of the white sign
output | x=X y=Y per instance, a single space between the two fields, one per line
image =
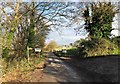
x=64 y=51
x=37 y=50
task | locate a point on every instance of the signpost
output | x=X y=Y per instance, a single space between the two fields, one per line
x=64 y=51
x=38 y=50
x=28 y=52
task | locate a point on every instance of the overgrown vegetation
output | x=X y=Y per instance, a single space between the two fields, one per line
x=24 y=26
x=69 y=52
x=99 y=22
x=97 y=47
x=22 y=67
x=116 y=41
x=98 y=18
x=93 y=47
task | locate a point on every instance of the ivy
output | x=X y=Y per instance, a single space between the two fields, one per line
x=99 y=23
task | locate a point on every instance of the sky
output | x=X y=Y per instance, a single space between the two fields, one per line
x=68 y=35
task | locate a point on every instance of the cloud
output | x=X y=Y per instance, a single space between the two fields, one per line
x=67 y=36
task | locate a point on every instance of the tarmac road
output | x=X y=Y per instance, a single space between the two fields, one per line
x=60 y=69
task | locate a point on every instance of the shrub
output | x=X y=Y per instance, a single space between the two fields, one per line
x=97 y=47
x=5 y=52
x=116 y=41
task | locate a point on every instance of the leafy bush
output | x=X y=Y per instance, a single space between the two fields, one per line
x=116 y=41
x=5 y=52
x=97 y=47
x=72 y=52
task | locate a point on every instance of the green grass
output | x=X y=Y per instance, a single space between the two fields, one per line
x=98 y=47
x=70 y=52
x=75 y=52
x=116 y=51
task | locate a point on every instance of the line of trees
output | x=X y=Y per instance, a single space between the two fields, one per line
x=26 y=24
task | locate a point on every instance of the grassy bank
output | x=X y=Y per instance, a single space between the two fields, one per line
x=92 y=48
x=69 y=52
x=19 y=70
x=76 y=53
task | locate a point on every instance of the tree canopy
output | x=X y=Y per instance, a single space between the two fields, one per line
x=98 y=19
x=27 y=24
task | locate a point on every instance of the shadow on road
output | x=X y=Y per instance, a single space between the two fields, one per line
x=96 y=69
x=60 y=71
x=66 y=69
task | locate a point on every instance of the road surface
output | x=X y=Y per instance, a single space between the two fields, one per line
x=60 y=69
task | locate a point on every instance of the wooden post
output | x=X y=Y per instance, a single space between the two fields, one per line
x=28 y=53
x=0 y=59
